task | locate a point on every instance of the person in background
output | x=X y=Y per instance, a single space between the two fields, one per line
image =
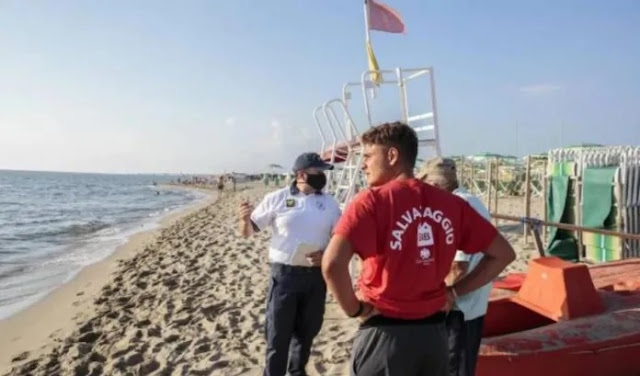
x=465 y=321
x=298 y=214
x=232 y=180
x=406 y=233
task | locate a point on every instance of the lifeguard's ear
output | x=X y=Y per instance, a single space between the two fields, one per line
x=393 y=156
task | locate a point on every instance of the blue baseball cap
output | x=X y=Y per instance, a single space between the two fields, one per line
x=310 y=160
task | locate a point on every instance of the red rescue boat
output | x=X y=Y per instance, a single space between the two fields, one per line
x=564 y=319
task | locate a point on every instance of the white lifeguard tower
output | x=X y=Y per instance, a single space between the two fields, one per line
x=340 y=135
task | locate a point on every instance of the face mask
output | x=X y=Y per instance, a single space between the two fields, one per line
x=317 y=181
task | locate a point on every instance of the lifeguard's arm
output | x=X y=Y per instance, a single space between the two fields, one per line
x=335 y=269
x=355 y=232
x=459 y=268
x=457 y=271
x=479 y=235
x=497 y=256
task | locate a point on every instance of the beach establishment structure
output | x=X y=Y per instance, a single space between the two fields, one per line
x=587 y=185
x=594 y=186
x=504 y=174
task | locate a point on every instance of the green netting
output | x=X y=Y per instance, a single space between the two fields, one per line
x=597 y=195
x=561 y=243
x=560 y=205
x=597 y=212
x=562 y=169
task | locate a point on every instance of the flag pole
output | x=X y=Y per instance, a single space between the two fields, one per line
x=366 y=21
x=367 y=35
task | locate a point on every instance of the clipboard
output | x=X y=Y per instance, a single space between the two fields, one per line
x=299 y=257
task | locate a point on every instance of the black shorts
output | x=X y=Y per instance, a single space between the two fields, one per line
x=388 y=347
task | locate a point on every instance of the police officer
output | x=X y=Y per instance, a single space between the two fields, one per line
x=301 y=217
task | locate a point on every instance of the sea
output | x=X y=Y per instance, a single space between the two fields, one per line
x=54 y=224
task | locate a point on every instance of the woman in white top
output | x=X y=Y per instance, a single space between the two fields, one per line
x=465 y=320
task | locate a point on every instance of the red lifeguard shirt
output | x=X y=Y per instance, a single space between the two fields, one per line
x=407 y=232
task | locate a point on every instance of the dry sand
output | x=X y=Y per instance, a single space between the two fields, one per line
x=187 y=300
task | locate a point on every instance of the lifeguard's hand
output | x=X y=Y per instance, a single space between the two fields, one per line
x=315 y=258
x=244 y=211
x=369 y=311
x=451 y=299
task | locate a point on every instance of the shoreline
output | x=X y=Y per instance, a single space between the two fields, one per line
x=191 y=301
x=57 y=313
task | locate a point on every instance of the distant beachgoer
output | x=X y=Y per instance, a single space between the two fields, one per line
x=300 y=214
x=406 y=233
x=265 y=178
x=465 y=321
x=220 y=183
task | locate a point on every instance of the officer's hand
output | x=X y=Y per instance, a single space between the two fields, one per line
x=315 y=258
x=244 y=211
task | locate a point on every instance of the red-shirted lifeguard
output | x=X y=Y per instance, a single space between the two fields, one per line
x=406 y=232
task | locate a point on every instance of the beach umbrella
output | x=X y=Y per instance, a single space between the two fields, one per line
x=480 y=157
x=274 y=168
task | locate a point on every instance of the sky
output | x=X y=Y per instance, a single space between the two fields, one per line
x=209 y=86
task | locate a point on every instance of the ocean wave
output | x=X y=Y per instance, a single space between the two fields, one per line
x=72 y=230
x=11 y=271
x=54 y=224
x=36 y=221
x=87 y=228
x=10 y=203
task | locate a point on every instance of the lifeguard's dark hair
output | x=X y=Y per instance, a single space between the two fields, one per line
x=397 y=135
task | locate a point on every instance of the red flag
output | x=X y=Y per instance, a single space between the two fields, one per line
x=384 y=18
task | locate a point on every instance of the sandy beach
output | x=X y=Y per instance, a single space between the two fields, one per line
x=186 y=299
x=37 y=329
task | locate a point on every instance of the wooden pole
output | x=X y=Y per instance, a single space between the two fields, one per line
x=545 y=182
x=489 y=177
x=565 y=226
x=536 y=236
x=577 y=193
x=472 y=183
x=497 y=177
x=527 y=198
x=461 y=169
x=618 y=204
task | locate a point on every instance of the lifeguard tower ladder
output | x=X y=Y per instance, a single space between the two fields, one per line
x=344 y=149
x=344 y=152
